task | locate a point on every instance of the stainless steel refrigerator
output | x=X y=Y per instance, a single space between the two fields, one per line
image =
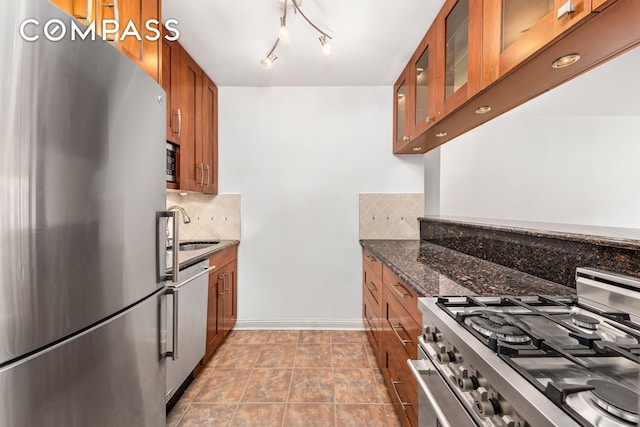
x=82 y=182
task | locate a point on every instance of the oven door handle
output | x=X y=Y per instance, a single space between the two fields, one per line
x=425 y=367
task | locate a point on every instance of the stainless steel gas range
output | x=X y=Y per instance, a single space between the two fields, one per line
x=533 y=360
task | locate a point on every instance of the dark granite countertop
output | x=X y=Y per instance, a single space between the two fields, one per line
x=434 y=270
x=625 y=238
x=188 y=258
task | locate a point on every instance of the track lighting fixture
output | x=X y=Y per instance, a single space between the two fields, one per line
x=283 y=33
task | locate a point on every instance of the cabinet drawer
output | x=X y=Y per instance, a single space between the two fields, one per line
x=402 y=331
x=224 y=257
x=372 y=287
x=406 y=296
x=403 y=390
x=371 y=322
x=372 y=261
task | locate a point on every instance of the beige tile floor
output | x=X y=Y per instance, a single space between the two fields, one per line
x=286 y=379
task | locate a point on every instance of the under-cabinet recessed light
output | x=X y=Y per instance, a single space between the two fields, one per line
x=565 y=61
x=441 y=134
x=417 y=148
x=483 y=110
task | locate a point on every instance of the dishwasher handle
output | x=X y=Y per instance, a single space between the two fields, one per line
x=425 y=367
x=191 y=278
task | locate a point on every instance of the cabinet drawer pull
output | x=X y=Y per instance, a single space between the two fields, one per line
x=208 y=175
x=566 y=9
x=428 y=119
x=395 y=328
x=395 y=389
x=371 y=258
x=402 y=294
x=226 y=282
x=371 y=285
x=405 y=138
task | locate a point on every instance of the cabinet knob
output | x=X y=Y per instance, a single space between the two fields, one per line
x=429 y=119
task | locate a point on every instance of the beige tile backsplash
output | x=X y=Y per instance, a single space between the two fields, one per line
x=212 y=217
x=390 y=216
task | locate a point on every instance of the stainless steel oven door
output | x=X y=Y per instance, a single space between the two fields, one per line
x=438 y=406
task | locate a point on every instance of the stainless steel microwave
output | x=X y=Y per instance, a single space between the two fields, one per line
x=171 y=163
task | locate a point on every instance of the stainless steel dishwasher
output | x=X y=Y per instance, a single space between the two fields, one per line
x=187 y=324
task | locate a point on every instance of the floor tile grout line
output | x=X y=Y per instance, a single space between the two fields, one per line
x=245 y=386
x=177 y=424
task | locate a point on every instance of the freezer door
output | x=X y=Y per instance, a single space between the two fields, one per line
x=82 y=156
x=110 y=375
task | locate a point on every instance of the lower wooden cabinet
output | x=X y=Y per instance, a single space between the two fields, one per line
x=222 y=307
x=392 y=321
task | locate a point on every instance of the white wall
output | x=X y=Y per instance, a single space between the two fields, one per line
x=299 y=156
x=570 y=156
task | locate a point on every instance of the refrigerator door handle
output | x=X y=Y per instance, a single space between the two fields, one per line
x=173 y=354
x=162 y=246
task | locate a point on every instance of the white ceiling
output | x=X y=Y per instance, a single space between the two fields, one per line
x=372 y=40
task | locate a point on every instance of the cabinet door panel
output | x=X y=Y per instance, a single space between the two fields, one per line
x=210 y=136
x=191 y=166
x=214 y=328
x=230 y=299
x=400 y=113
x=459 y=51
x=425 y=92
x=171 y=85
x=512 y=32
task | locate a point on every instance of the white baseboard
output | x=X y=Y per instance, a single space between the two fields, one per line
x=302 y=324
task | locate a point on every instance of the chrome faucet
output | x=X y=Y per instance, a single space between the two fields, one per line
x=185 y=218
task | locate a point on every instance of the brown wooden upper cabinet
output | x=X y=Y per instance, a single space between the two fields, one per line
x=459 y=51
x=493 y=55
x=143 y=52
x=191 y=120
x=417 y=104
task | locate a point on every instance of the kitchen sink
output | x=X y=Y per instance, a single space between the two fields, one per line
x=194 y=246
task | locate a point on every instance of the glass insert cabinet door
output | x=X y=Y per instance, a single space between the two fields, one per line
x=400 y=102
x=422 y=88
x=519 y=16
x=457 y=48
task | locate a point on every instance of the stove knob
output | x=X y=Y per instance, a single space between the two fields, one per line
x=441 y=352
x=484 y=405
x=464 y=382
x=478 y=381
x=431 y=334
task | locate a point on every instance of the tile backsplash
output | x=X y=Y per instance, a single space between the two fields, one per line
x=212 y=217
x=390 y=216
